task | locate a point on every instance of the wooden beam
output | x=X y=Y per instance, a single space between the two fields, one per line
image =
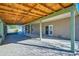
x=61 y=5
x=7 y=13
x=48 y=7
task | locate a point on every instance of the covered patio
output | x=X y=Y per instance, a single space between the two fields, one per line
x=36 y=13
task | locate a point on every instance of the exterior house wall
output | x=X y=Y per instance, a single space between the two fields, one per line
x=77 y=28
x=35 y=28
x=61 y=27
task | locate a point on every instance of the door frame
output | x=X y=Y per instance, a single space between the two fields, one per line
x=49 y=30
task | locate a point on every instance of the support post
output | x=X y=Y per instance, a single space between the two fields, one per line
x=30 y=29
x=72 y=30
x=2 y=32
x=40 y=30
x=24 y=30
x=5 y=29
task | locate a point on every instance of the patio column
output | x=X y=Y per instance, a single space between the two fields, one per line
x=2 y=35
x=5 y=29
x=30 y=29
x=40 y=29
x=24 y=30
x=72 y=30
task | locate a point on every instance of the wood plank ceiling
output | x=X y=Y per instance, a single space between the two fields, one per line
x=23 y=13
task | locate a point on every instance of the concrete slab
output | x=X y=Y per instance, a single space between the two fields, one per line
x=19 y=45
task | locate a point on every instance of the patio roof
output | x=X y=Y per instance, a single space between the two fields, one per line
x=23 y=13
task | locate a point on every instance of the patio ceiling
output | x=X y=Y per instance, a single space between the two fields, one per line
x=23 y=13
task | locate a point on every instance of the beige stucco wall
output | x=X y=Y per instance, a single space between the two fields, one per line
x=77 y=28
x=35 y=28
x=61 y=27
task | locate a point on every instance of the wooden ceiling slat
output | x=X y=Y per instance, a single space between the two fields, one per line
x=66 y=4
x=5 y=11
x=30 y=4
x=36 y=11
x=1 y=12
x=61 y=5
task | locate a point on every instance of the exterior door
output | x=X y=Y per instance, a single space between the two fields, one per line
x=49 y=30
x=28 y=29
x=46 y=32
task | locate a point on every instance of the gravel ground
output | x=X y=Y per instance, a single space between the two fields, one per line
x=20 y=45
